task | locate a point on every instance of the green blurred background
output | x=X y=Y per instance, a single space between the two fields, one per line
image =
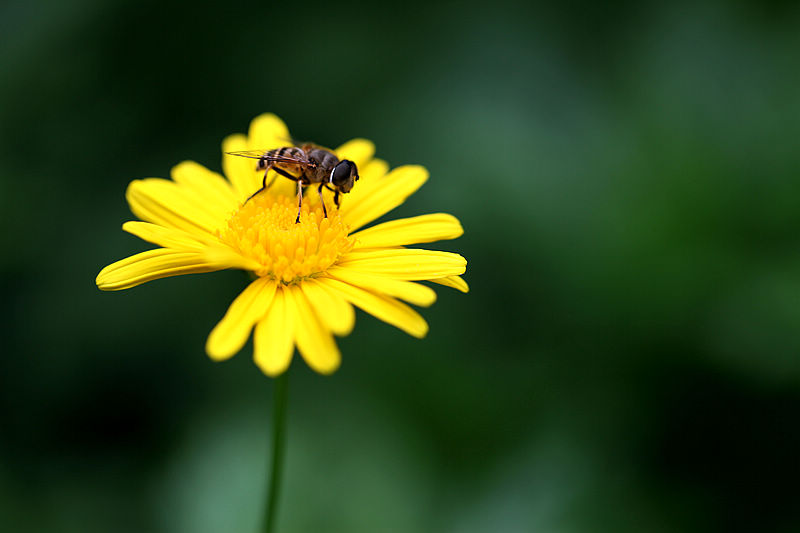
x=628 y=358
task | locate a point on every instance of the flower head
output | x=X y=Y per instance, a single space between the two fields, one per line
x=309 y=274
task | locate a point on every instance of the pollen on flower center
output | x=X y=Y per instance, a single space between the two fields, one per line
x=264 y=229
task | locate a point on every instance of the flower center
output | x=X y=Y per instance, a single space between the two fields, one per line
x=264 y=229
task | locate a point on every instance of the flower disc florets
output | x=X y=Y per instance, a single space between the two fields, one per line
x=264 y=229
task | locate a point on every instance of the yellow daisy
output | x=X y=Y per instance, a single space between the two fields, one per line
x=308 y=275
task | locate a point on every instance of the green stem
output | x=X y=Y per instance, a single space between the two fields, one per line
x=279 y=400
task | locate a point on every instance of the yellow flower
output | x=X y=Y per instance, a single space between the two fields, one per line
x=308 y=275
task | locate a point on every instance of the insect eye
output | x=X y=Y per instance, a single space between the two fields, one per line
x=341 y=172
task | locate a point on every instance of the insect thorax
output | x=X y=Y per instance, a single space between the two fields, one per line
x=323 y=158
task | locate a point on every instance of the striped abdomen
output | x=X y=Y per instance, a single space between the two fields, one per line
x=289 y=158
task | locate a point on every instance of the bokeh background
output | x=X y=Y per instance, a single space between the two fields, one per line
x=628 y=358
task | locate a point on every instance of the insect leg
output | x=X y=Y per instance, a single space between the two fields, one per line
x=336 y=198
x=299 y=189
x=285 y=174
x=264 y=185
x=299 y=201
x=322 y=200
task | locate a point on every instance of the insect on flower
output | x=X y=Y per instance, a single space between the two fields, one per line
x=306 y=164
x=310 y=276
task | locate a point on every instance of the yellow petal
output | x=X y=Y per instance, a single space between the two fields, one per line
x=415 y=230
x=212 y=188
x=152 y=265
x=360 y=151
x=381 y=196
x=223 y=254
x=401 y=263
x=405 y=290
x=232 y=331
x=175 y=239
x=314 y=341
x=209 y=249
x=273 y=340
x=334 y=312
x=453 y=281
x=267 y=131
x=374 y=170
x=241 y=171
x=164 y=203
x=384 y=308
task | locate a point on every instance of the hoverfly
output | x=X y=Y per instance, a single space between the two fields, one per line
x=306 y=164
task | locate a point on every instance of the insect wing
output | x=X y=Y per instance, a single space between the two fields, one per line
x=272 y=157
x=252 y=154
x=311 y=146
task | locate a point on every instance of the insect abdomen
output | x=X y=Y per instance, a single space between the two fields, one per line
x=290 y=152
